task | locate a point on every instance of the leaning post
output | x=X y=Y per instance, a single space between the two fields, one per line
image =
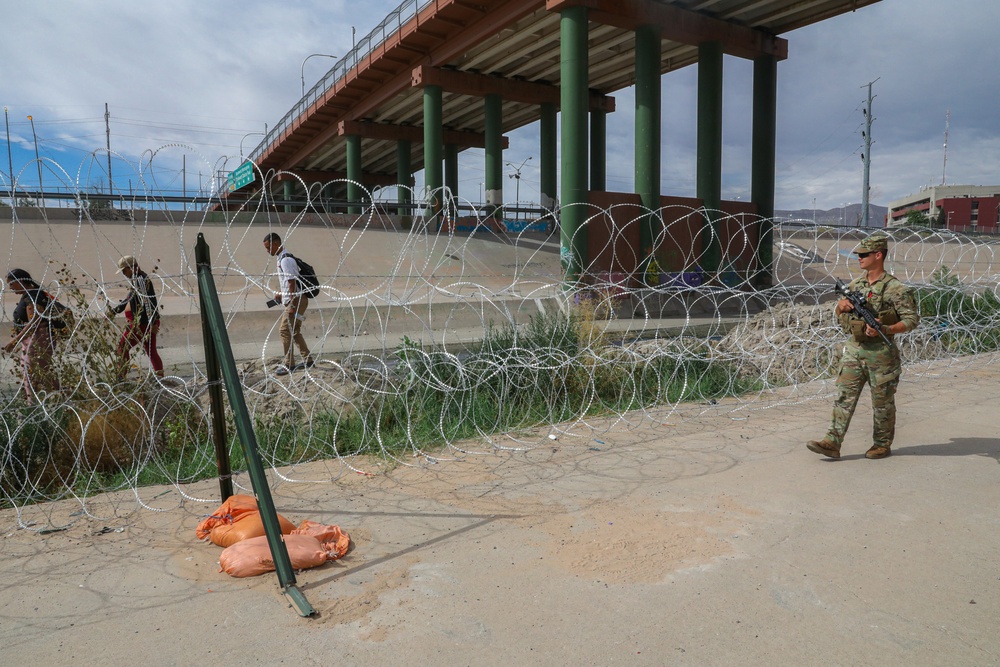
x=214 y=387
x=212 y=314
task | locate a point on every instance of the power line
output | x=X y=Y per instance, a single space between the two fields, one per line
x=179 y=126
x=256 y=121
x=816 y=146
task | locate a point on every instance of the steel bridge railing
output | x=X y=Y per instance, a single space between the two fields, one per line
x=389 y=26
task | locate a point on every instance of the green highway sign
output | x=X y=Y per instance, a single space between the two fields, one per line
x=242 y=175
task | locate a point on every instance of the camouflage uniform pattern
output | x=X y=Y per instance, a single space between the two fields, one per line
x=870 y=361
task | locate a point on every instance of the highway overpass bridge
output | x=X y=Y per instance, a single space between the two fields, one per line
x=439 y=76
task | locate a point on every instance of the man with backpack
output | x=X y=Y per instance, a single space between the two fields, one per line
x=294 y=297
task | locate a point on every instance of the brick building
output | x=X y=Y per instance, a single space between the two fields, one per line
x=962 y=208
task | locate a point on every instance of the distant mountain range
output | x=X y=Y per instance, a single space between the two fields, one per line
x=850 y=215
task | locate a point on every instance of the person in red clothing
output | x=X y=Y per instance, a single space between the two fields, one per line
x=143 y=315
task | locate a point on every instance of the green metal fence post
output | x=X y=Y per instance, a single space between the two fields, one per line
x=215 y=390
x=212 y=313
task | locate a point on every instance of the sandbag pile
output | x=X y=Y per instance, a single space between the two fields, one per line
x=236 y=520
x=238 y=526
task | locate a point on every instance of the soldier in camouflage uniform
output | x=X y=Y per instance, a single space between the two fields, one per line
x=867 y=358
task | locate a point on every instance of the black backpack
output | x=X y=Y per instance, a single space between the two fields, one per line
x=310 y=283
x=60 y=317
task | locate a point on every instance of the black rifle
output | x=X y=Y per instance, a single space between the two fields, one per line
x=860 y=304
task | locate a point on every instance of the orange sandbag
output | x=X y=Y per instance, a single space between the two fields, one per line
x=249 y=526
x=253 y=556
x=230 y=511
x=236 y=520
x=332 y=538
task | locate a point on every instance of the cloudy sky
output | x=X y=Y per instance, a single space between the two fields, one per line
x=191 y=84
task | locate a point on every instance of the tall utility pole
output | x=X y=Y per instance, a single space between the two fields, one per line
x=867 y=156
x=107 y=130
x=10 y=160
x=944 y=169
x=37 y=160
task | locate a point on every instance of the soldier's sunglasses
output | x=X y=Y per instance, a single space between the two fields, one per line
x=862 y=255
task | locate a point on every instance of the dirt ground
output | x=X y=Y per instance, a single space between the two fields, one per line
x=717 y=540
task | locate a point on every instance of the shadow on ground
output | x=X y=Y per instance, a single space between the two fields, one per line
x=957 y=447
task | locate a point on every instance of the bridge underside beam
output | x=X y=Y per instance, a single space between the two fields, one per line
x=481 y=85
x=679 y=25
x=325 y=176
x=386 y=132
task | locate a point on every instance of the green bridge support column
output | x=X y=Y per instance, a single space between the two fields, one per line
x=329 y=194
x=451 y=177
x=287 y=192
x=765 y=109
x=355 y=191
x=709 y=180
x=404 y=171
x=548 y=156
x=647 y=135
x=433 y=146
x=599 y=150
x=493 y=108
x=574 y=96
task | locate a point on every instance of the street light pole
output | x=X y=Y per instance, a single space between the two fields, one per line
x=517 y=182
x=302 y=69
x=244 y=137
x=37 y=159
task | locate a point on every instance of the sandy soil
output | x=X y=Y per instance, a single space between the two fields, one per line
x=718 y=540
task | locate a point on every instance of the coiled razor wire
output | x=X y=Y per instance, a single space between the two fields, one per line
x=436 y=336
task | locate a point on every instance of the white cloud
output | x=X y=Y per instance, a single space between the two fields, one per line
x=208 y=75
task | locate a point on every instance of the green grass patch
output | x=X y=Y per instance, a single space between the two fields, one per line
x=965 y=320
x=552 y=370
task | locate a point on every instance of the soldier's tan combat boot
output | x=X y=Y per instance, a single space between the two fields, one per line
x=877 y=452
x=824 y=447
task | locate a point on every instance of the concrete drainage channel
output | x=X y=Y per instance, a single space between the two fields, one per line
x=364 y=336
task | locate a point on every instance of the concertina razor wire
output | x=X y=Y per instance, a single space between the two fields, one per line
x=436 y=336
